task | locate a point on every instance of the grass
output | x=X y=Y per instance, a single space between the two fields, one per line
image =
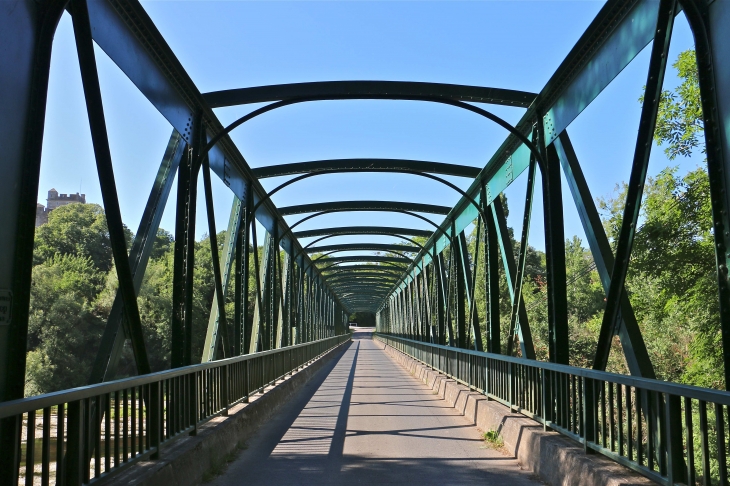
x=492 y=439
x=220 y=466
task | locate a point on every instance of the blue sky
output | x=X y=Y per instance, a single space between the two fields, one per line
x=510 y=44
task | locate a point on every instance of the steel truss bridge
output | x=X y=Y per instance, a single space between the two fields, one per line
x=422 y=294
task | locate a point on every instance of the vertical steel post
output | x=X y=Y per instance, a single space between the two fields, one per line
x=26 y=34
x=708 y=21
x=242 y=323
x=559 y=347
x=510 y=269
x=524 y=244
x=491 y=257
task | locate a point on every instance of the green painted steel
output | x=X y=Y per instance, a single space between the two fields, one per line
x=229 y=246
x=363 y=230
x=364 y=247
x=339 y=206
x=373 y=258
x=367 y=90
x=362 y=277
x=366 y=165
x=361 y=268
x=430 y=298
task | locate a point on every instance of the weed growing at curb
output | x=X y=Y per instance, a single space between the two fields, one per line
x=492 y=439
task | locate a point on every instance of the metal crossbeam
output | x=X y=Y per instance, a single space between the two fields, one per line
x=366 y=165
x=363 y=230
x=335 y=90
x=362 y=246
x=341 y=206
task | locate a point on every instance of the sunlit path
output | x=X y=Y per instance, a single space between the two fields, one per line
x=367 y=420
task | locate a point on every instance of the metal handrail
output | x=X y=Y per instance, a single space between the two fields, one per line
x=22 y=405
x=668 y=432
x=707 y=394
x=100 y=429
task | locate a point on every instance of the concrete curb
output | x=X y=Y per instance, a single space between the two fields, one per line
x=187 y=460
x=552 y=457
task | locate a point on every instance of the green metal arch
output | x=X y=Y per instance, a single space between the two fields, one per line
x=365 y=258
x=368 y=90
x=369 y=285
x=363 y=230
x=340 y=206
x=366 y=165
x=353 y=275
x=360 y=268
x=364 y=247
x=363 y=276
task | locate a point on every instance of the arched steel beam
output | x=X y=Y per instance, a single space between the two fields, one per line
x=362 y=230
x=362 y=268
x=368 y=90
x=346 y=290
x=363 y=246
x=361 y=275
x=394 y=266
x=309 y=245
x=340 y=206
x=353 y=294
x=438 y=228
x=409 y=213
x=456 y=188
x=366 y=165
x=384 y=286
x=368 y=279
x=347 y=276
x=360 y=283
x=366 y=258
x=321 y=258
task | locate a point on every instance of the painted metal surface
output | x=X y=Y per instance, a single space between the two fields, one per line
x=357 y=165
x=367 y=90
x=336 y=206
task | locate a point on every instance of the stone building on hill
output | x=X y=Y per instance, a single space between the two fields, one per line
x=56 y=200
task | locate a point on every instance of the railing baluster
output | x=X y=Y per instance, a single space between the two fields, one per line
x=46 y=448
x=721 y=451
x=620 y=412
x=96 y=427
x=107 y=432
x=30 y=448
x=125 y=426
x=60 y=441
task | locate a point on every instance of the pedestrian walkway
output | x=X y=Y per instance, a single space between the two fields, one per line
x=365 y=420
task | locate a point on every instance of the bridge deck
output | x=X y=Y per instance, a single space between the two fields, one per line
x=364 y=419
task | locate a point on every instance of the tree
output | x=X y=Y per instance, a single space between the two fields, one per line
x=679 y=121
x=76 y=229
x=65 y=325
x=671 y=279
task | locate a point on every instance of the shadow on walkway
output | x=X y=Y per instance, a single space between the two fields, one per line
x=364 y=419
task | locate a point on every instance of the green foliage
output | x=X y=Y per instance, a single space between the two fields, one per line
x=73 y=289
x=363 y=319
x=493 y=439
x=672 y=276
x=65 y=325
x=679 y=121
x=76 y=229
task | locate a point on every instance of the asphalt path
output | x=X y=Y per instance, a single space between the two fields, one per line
x=363 y=419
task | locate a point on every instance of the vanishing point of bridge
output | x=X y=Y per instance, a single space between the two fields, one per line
x=363 y=417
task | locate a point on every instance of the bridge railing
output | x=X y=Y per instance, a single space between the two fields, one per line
x=670 y=433
x=77 y=436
